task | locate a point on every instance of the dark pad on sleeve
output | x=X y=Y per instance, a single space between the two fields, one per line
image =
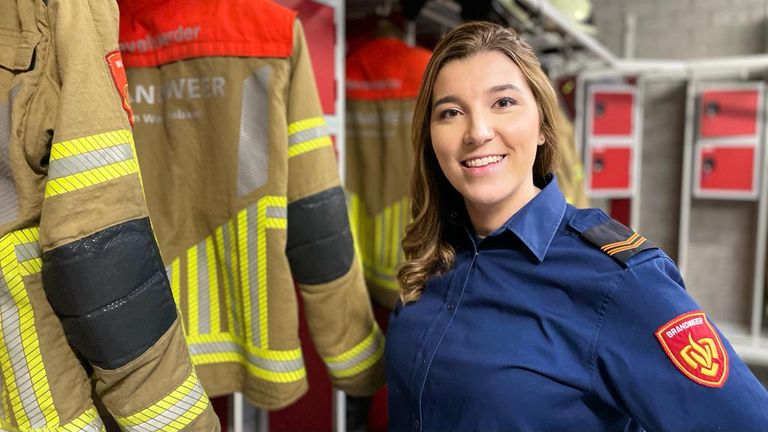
x=111 y=293
x=319 y=240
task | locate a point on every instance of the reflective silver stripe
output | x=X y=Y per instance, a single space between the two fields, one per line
x=307 y=134
x=87 y=161
x=228 y=347
x=28 y=251
x=163 y=419
x=9 y=317
x=203 y=290
x=95 y=425
x=253 y=274
x=229 y=273
x=359 y=357
x=9 y=199
x=253 y=148
x=277 y=212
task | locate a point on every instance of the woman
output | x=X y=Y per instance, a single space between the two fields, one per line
x=520 y=312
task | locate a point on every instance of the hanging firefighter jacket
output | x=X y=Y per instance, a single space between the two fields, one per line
x=383 y=79
x=569 y=170
x=81 y=278
x=242 y=185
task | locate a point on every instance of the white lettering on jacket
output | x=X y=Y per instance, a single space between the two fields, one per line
x=182 y=88
x=156 y=41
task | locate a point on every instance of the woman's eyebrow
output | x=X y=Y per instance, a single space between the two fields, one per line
x=446 y=99
x=502 y=87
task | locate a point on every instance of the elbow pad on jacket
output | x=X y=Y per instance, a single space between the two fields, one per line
x=319 y=240
x=111 y=293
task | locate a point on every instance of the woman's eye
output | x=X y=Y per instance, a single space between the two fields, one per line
x=449 y=113
x=505 y=102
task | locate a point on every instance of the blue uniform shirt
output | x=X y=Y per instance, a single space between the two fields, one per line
x=537 y=329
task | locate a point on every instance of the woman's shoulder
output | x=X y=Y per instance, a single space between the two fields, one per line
x=608 y=239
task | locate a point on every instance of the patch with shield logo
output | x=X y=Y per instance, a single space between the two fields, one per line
x=694 y=347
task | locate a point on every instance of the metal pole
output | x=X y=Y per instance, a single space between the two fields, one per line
x=685 y=192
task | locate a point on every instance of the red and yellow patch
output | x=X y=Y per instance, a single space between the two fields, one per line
x=695 y=348
x=117 y=69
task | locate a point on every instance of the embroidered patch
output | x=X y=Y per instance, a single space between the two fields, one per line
x=116 y=68
x=694 y=347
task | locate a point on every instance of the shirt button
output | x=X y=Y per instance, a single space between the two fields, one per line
x=416 y=424
x=450 y=307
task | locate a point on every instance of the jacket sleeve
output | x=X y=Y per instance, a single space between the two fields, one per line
x=101 y=270
x=661 y=360
x=320 y=249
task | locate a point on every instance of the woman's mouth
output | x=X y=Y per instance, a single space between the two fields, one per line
x=483 y=161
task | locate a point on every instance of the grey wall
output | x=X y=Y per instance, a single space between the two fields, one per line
x=684 y=28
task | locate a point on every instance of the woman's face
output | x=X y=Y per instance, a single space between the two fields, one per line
x=485 y=130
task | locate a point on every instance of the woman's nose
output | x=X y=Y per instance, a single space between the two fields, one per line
x=479 y=130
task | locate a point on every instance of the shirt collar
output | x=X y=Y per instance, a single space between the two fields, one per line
x=537 y=222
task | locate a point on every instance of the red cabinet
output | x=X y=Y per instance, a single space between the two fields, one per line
x=726 y=113
x=611 y=168
x=612 y=134
x=612 y=112
x=728 y=141
x=727 y=169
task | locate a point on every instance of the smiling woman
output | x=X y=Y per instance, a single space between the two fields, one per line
x=520 y=312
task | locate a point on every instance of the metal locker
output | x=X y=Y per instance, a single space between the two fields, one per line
x=727 y=169
x=612 y=112
x=611 y=169
x=727 y=113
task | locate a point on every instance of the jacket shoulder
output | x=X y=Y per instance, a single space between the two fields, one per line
x=613 y=238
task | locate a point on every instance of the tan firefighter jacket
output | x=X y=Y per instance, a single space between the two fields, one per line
x=242 y=185
x=81 y=278
x=382 y=79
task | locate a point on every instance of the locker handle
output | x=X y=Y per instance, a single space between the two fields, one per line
x=708 y=165
x=598 y=165
x=599 y=109
x=712 y=109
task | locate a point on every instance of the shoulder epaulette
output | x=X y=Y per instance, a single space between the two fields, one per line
x=616 y=240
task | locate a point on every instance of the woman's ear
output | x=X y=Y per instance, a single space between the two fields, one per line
x=541 y=138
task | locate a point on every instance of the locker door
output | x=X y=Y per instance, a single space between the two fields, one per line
x=612 y=113
x=726 y=113
x=611 y=168
x=727 y=168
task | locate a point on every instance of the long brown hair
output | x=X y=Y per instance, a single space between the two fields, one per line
x=433 y=198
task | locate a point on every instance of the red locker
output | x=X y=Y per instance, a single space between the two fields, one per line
x=727 y=168
x=612 y=112
x=611 y=168
x=728 y=113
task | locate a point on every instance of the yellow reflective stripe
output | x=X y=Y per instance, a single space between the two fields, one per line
x=88 y=421
x=225 y=268
x=235 y=268
x=172 y=413
x=358 y=358
x=394 y=234
x=193 y=308
x=30 y=267
x=353 y=203
x=92 y=177
x=266 y=364
x=22 y=365
x=307 y=146
x=264 y=202
x=90 y=143
x=301 y=125
x=213 y=288
x=243 y=254
x=176 y=280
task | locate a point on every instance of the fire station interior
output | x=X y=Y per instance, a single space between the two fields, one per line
x=667 y=103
